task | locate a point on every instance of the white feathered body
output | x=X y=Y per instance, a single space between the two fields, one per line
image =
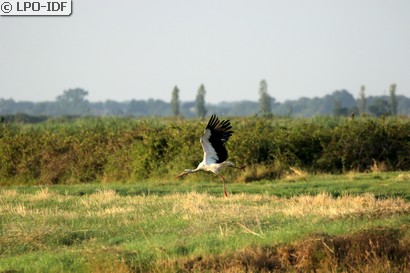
x=213 y=144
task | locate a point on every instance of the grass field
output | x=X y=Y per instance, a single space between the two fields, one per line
x=341 y=223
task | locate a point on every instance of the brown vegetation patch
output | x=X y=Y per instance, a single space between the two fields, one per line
x=379 y=250
x=259 y=172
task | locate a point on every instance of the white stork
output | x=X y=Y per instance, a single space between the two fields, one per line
x=215 y=154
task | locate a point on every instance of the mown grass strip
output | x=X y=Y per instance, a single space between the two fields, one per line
x=382 y=185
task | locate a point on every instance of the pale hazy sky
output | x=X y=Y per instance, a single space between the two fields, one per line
x=123 y=50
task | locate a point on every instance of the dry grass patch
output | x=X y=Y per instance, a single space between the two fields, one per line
x=43 y=194
x=404 y=177
x=325 y=205
x=259 y=172
x=376 y=251
x=246 y=207
x=239 y=207
x=296 y=174
x=378 y=167
x=8 y=193
x=104 y=196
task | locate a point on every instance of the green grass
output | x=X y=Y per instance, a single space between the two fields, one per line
x=383 y=184
x=183 y=225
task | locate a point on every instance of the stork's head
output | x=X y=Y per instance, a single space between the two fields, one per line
x=185 y=172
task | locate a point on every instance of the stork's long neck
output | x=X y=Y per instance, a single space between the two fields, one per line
x=195 y=170
x=188 y=171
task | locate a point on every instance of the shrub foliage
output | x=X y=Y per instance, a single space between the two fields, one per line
x=129 y=150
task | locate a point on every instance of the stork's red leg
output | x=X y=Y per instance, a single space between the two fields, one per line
x=223 y=180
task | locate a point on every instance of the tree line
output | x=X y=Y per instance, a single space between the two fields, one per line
x=73 y=102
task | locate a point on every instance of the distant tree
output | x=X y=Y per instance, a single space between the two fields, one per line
x=136 y=108
x=73 y=95
x=157 y=107
x=175 y=102
x=7 y=106
x=200 y=102
x=114 y=108
x=240 y=108
x=362 y=101
x=264 y=99
x=338 y=110
x=379 y=107
x=393 y=99
x=73 y=102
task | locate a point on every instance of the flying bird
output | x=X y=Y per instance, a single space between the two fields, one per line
x=213 y=144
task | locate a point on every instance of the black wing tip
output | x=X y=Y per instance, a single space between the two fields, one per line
x=222 y=128
x=215 y=121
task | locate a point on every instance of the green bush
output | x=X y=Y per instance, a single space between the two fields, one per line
x=356 y=145
x=130 y=150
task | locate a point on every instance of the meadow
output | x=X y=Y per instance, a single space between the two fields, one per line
x=99 y=195
x=328 y=223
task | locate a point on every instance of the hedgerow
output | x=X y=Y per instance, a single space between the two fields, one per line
x=130 y=150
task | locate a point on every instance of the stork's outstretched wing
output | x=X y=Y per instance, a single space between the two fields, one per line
x=213 y=140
